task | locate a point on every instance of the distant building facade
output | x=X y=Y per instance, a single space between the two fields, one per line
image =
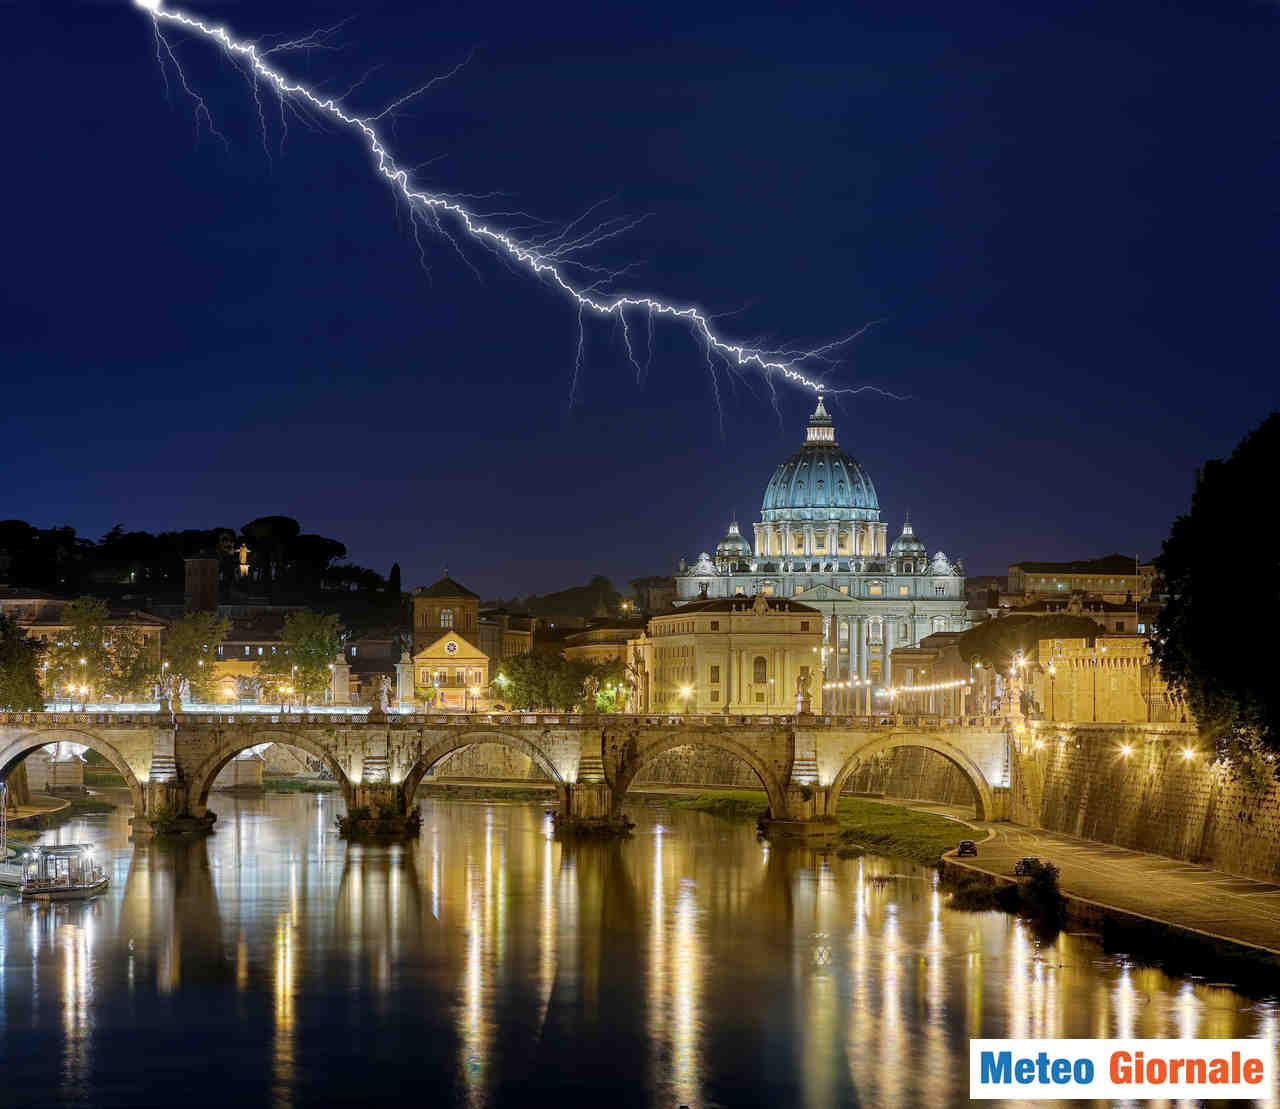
x=737 y=655
x=1112 y=680
x=1116 y=578
x=821 y=541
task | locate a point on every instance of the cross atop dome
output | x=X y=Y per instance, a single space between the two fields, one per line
x=822 y=428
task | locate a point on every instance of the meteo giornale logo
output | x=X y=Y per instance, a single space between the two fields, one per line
x=1132 y=1069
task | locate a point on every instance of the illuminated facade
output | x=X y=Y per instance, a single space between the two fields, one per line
x=739 y=655
x=820 y=540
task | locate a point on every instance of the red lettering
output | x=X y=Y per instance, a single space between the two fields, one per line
x=1235 y=1066
x=1253 y=1071
x=1218 y=1072
x=1157 y=1070
x=1195 y=1070
x=1119 y=1070
x=1175 y=1065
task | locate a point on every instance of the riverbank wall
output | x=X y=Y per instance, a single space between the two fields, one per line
x=1150 y=787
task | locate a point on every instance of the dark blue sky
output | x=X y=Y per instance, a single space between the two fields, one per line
x=1066 y=222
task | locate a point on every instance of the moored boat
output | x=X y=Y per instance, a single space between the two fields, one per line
x=61 y=872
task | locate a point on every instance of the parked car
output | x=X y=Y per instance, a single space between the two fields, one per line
x=967 y=849
x=1028 y=864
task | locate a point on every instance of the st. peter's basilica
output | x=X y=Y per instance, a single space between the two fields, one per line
x=820 y=539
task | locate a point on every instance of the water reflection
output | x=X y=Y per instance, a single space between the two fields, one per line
x=272 y=963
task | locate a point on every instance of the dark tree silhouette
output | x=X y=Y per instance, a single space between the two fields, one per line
x=1213 y=638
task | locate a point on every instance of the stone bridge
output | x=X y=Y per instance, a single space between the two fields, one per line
x=169 y=761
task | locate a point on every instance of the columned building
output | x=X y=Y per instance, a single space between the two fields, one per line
x=820 y=539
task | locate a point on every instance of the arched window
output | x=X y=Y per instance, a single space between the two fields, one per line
x=759 y=670
x=906 y=567
x=446 y=617
x=876 y=631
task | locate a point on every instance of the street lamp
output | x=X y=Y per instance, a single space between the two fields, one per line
x=685 y=693
x=1053 y=674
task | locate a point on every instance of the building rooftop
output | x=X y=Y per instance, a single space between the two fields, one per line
x=445 y=587
x=1110 y=564
x=739 y=604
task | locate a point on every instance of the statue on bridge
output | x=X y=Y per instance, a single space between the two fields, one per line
x=803 y=702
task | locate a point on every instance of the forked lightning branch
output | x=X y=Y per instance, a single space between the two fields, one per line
x=540 y=261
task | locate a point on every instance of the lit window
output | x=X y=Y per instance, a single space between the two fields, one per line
x=715 y=675
x=844 y=589
x=1142 y=629
x=759 y=670
x=446 y=617
x=246 y=648
x=799 y=590
x=715 y=625
x=353 y=651
x=875 y=589
x=903 y=590
x=273 y=651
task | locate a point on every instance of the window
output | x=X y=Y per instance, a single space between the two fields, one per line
x=938 y=590
x=446 y=617
x=759 y=698
x=875 y=632
x=440 y=677
x=939 y=623
x=273 y=651
x=767 y=589
x=799 y=590
x=875 y=589
x=715 y=695
x=740 y=592
x=903 y=590
x=246 y=649
x=1119 y=625
x=759 y=670
x=844 y=589
x=715 y=675
x=804 y=625
x=424 y=676
x=1142 y=629
x=353 y=650
x=460 y=675
x=906 y=567
x=715 y=625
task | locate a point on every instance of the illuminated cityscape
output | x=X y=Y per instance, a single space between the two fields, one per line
x=670 y=557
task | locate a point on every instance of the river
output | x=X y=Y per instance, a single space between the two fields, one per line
x=489 y=963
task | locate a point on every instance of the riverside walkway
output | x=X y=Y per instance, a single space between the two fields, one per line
x=1171 y=891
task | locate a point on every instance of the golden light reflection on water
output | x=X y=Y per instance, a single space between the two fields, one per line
x=841 y=980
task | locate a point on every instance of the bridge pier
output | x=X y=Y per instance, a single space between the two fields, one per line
x=166 y=811
x=803 y=816
x=380 y=811
x=592 y=809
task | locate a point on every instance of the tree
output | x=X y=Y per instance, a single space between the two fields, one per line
x=80 y=663
x=191 y=652
x=309 y=642
x=135 y=664
x=270 y=537
x=995 y=642
x=542 y=681
x=1217 y=658
x=19 y=669
x=393 y=582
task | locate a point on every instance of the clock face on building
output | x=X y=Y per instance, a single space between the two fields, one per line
x=452 y=646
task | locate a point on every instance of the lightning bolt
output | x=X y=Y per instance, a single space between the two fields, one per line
x=546 y=260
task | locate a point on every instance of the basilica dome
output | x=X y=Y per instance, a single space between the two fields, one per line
x=733 y=547
x=820 y=481
x=907 y=543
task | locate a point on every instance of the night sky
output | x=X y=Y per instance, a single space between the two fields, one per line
x=1065 y=221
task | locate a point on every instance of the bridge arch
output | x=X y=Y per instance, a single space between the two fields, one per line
x=983 y=799
x=14 y=751
x=452 y=742
x=206 y=772
x=626 y=773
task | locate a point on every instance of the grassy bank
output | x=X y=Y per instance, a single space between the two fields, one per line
x=488 y=791
x=865 y=826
